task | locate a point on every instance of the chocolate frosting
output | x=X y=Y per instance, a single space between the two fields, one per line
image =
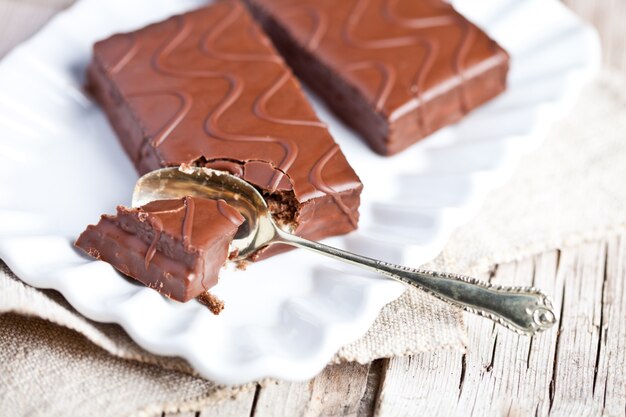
x=174 y=246
x=397 y=56
x=207 y=87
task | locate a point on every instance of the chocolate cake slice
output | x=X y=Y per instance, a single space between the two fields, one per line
x=207 y=88
x=176 y=247
x=394 y=70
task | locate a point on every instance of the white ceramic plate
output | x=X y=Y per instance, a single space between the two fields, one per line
x=61 y=167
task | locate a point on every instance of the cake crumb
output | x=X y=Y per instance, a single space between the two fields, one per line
x=214 y=304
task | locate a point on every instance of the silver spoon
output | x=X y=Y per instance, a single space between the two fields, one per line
x=525 y=310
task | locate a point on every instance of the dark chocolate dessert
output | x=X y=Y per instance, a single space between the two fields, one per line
x=207 y=88
x=394 y=70
x=176 y=247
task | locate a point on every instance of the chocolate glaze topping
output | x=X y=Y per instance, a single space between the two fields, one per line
x=174 y=246
x=207 y=87
x=396 y=70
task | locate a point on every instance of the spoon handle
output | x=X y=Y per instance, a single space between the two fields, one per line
x=525 y=310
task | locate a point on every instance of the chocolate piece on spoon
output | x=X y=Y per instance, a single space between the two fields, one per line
x=176 y=246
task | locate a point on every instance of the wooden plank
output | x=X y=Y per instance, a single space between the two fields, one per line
x=501 y=374
x=508 y=374
x=337 y=391
x=445 y=383
x=579 y=332
x=426 y=384
x=340 y=390
x=368 y=402
x=282 y=398
x=609 y=387
x=241 y=405
x=577 y=370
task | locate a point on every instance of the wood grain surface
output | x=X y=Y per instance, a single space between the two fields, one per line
x=579 y=370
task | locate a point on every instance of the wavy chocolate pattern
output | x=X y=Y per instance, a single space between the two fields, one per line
x=213 y=129
x=353 y=20
x=208 y=40
x=237 y=86
x=427 y=43
x=158 y=228
x=178 y=218
x=320 y=24
x=467 y=39
x=388 y=78
x=228 y=212
x=190 y=209
x=186 y=101
x=316 y=178
x=413 y=66
x=126 y=56
x=260 y=106
x=467 y=36
x=235 y=101
x=388 y=12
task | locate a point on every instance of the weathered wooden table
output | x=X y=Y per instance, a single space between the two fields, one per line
x=579 y=370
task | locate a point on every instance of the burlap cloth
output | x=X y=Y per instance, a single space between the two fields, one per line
x=571 y=190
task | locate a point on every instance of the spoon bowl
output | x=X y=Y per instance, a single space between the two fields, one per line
x=258 y=228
